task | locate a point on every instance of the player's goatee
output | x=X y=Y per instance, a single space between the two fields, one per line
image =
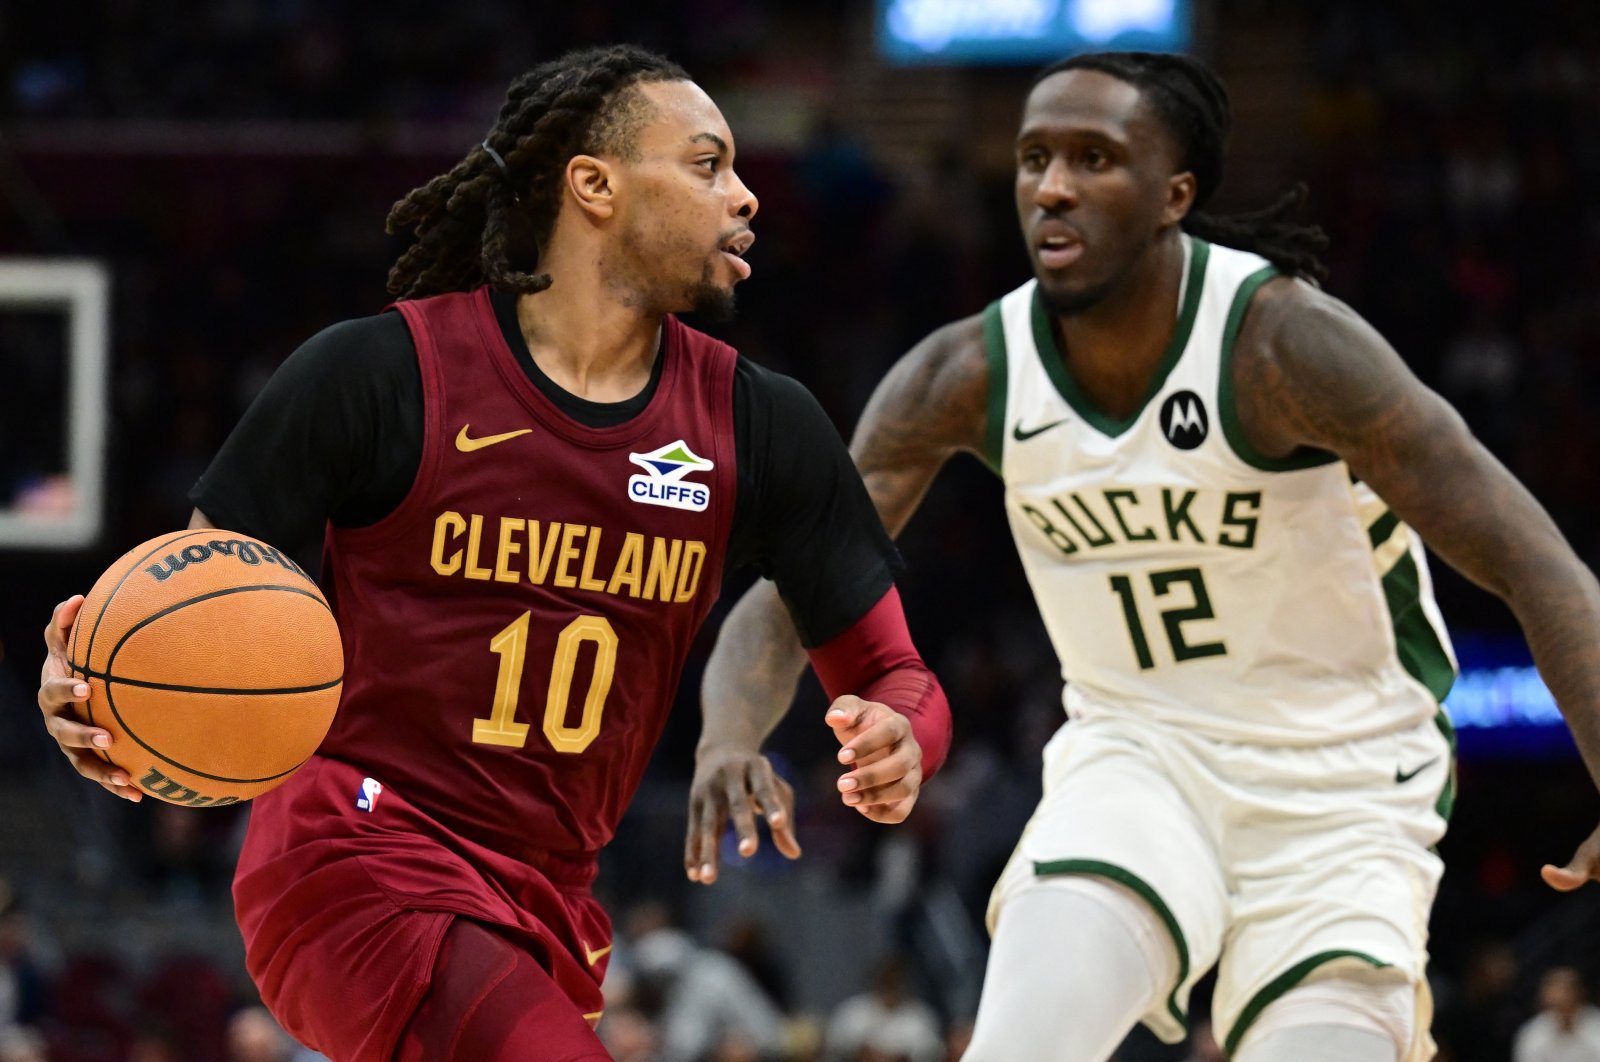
x=712 y=303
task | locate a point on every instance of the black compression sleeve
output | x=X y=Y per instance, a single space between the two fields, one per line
x=335 y=434
x=803 y=516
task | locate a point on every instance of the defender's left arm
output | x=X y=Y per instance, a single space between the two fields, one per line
x=1310 y=372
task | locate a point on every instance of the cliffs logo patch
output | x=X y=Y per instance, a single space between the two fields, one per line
x=1183 y=420
x=665 y=482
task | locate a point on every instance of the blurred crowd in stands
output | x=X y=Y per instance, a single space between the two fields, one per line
x=1450 y=159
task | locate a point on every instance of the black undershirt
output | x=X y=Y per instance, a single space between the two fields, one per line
x=336 y=436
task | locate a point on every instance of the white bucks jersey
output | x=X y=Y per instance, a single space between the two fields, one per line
x=1182 y=575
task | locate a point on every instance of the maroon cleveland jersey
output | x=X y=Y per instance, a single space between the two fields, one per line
x=515 y=631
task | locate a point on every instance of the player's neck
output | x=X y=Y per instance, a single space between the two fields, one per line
x=587 y=338
x=1114 y=348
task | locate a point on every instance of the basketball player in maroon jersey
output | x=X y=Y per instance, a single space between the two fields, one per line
x=529 y=482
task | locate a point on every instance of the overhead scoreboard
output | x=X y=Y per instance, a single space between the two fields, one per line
x=1027 y=32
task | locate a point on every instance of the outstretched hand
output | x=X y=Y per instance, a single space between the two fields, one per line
x=887 y=761
x=1583 y=867
x=59 y=692
x=740 y=784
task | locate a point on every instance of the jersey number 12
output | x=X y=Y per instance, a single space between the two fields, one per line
x=502 y=728
x=1172 y=619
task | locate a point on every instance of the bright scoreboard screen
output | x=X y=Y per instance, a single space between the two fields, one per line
x=1027 y=31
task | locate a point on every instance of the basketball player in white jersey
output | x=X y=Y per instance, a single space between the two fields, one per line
x=1219 y=479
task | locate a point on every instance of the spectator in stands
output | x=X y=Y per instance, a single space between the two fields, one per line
x=707 y=998
x=254 y=1037
x=628 y=1034
x=1476 y=1021
x=749 y=942
x=1566 y=1029
x=885 y=1023
x=735 y=1047
x=22 y=982
x=19 y=1043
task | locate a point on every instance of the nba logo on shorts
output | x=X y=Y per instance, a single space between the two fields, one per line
x=367 y=799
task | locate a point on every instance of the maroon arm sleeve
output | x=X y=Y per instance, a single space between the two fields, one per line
x=875 y=660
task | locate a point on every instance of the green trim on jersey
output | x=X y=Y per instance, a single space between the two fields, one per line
x=1382 y=529
x=1281 y=984
x=1142 y=888
x=1447 y=796
x=1227 y=406
x=994 y=352
x=1415 y=641
x=1055 y=360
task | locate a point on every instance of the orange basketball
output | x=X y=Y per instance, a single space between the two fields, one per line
x=214 y=662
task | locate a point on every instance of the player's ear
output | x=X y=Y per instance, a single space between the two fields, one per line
x=593 y=184
x=1180 y=198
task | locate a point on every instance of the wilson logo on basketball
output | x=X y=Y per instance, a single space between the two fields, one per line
x=240 y=549
x=159 y=785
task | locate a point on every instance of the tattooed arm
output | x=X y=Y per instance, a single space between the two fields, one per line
x=929 y=406
x=1310 y=372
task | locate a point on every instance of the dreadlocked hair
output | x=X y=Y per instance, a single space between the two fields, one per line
x=1192 y=102
x=477 y=223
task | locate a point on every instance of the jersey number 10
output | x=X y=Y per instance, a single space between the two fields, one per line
x=1172 y=619
x=502 y=728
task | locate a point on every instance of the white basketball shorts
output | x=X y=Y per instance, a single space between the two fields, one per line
x=1276 y=861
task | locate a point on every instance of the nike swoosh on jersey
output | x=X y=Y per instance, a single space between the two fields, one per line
x=1021 y=434
x=1402 y=777
x=595 y=955
x=466 y=444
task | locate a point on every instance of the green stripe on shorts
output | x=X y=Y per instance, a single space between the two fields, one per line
x=1126 y=878
x=1281 y=984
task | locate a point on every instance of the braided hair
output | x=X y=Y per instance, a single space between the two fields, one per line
x=1193 y=104
x=488 y=218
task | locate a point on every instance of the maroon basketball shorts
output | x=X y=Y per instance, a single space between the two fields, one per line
x=344 y=914
x=490 y=1001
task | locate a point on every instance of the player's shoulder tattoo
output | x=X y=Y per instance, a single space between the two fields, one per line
x=936 y=394
x=1308 y=370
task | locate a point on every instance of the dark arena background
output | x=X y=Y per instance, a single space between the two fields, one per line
x=186 y=198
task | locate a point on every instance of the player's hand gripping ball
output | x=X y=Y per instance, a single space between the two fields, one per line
x=214 y=662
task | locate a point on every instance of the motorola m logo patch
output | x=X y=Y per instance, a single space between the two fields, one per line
x=1183 y=420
